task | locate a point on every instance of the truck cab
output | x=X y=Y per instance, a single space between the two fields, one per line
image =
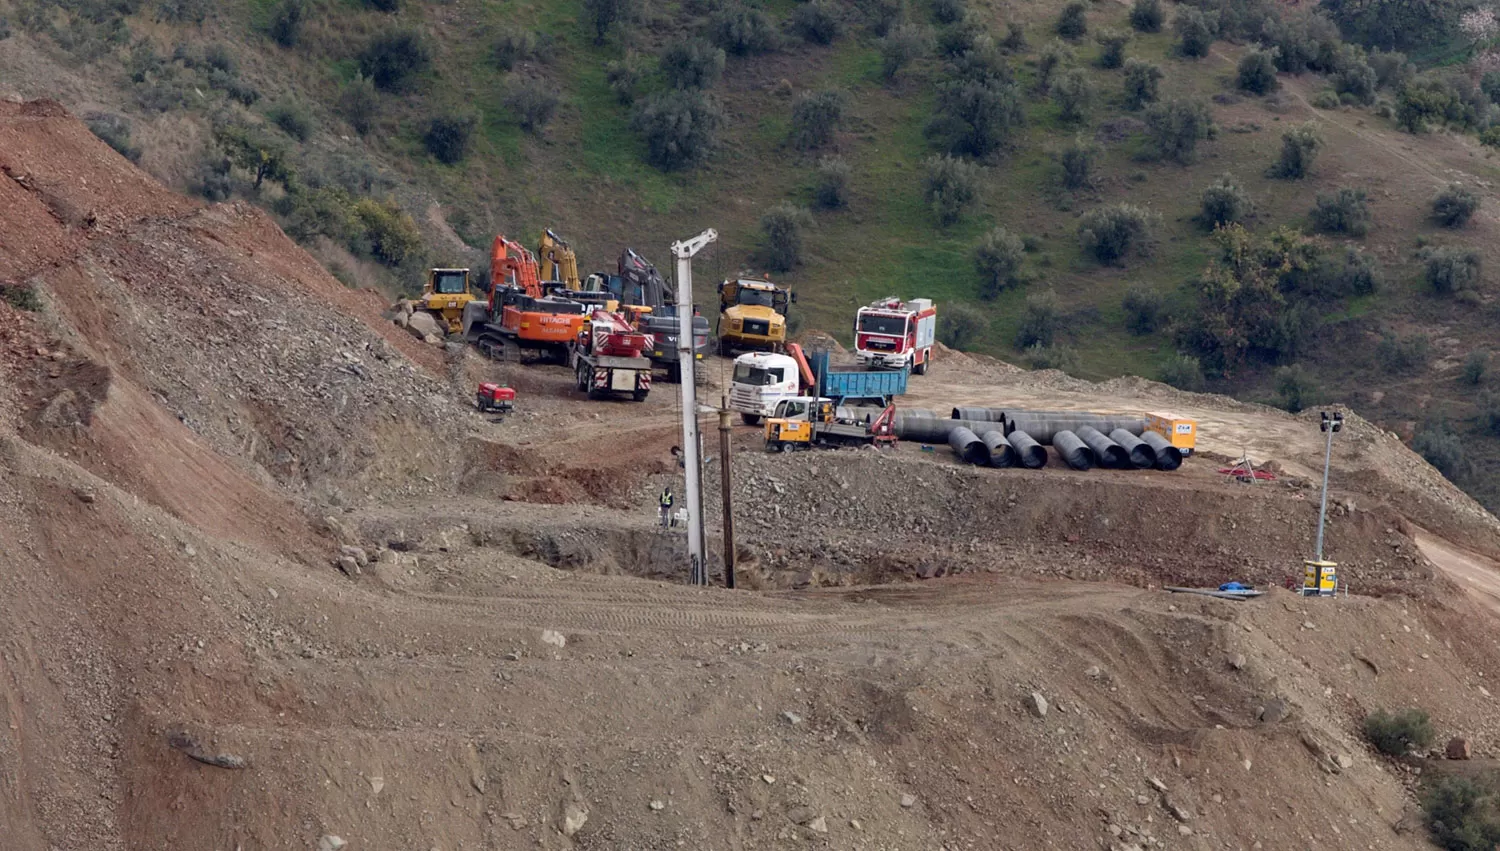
x=760 y=381
x=896 y=334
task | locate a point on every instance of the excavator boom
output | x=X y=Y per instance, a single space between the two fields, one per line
x=558 y=261
x=513 y=267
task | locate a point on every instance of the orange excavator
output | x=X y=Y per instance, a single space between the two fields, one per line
x=518 y=316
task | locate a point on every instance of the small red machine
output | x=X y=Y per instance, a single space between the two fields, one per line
x=495 y=397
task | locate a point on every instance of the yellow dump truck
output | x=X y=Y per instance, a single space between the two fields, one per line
x=752 y=316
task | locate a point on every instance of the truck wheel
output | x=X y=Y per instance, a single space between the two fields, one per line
x=787 y=447
x=921 y=368
x=773 y=446
x=674 y=373
x=750 y=419
x=479 y=402
x=639 y=395
x=583 y=382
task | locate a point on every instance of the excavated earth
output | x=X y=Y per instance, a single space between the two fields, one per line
x=271 y=582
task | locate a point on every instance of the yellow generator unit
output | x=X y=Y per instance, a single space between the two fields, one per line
x=1181 y=432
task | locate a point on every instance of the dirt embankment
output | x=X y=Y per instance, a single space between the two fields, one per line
x=198 y=417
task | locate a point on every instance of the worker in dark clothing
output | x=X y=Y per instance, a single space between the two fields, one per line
x=666 y=507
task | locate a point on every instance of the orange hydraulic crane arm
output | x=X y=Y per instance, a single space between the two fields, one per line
x=808 y=379
x=511 y=265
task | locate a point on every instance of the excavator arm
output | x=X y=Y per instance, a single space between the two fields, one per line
x=558 y=261
x=512 y=266
x=643 y=284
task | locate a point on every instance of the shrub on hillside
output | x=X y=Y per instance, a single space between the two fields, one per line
x=1397 y=734
x=1074 y=94
x=513 y=45
x=1053 y=59
x=1225 y=202
x=985 y=64
x=21 y=297
x=1112 y=48
x=1356 y=274
x=1073 y=21
x=394 y=57
x=817 y=22
x=1299 y=150
x=691 y=63
x=1463 y=814
x=1475 y=366
x=1078 y=161
x=1295 y=388
x=681 y=128
x=257 y=153
x=949 y=11
x=903 y=44
x=1356 y=81
x=286 y=22
x=998 y=258
x=212 y=178
x=1346 y=212
x=1145 y=309
x=1142 y=84
x=293 y=118
x=1392 y=70
x=950 y=186
x=532 y=103
x=816 y=116
x=605 y=15
x=1443 y=449
x=961 y=36
x=1183 y=372
x=625 y=76
x=1402 y=354
x=1055 y=356
x=383 y=5
x=1425 y=101
x=960 y=325
x=1257 y=72
x=831 y=189
x=183 y=11
x=1450 y=269
x=976 y=118
x=1303 y=41
x=1175 y=127
x=447 y=137
x=782 y=228
x=1041 y=320
x=1455 y=205
x=359 y=103
x=114 y=131
x=1147 y=16
x=392 y=234
x=1113 y=232
x=1015 y=37
x=1195 y=31
x=742 y=30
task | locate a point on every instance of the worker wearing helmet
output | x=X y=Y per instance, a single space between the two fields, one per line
x=666 y=507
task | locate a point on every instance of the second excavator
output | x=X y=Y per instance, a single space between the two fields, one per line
x=643 y=287
x=518 y=316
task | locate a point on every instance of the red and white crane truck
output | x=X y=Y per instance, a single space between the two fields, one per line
x=895 y=334
x=609 y=357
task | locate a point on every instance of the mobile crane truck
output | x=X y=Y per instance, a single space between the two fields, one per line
x=607 y=357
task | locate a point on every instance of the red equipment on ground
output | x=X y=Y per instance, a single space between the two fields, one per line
x=495 y=397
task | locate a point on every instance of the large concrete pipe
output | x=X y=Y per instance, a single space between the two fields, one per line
x=1074 y=451
x=1002 y=454
x=983 y=415
x=1042 y=429
x=1168 y=457
x=967 y=445
x=932 y=429
x=918 y=413
x=1141 y=453
x=1029 y=453
x=1109 y=453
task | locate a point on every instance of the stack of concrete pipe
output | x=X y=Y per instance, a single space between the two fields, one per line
x=1003 y=437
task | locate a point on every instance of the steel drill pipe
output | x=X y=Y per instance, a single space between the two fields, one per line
x=1042 y=429
x=1109 y=453
x=1002 y=454
x=1029 y=453
x=1168 y=457
x=1141 y=453
x=1074 y=452
x=983 y=415
x=967 y=445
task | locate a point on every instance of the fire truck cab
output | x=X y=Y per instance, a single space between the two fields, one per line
x=895 y=334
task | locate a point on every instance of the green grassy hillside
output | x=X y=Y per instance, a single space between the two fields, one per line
x=185 y=77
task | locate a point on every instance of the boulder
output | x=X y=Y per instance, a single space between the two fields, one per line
x=1459 y=748
x=424 y=325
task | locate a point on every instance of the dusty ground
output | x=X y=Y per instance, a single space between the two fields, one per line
x=198 y=418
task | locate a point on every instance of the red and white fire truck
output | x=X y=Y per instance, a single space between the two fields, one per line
x=896 y=334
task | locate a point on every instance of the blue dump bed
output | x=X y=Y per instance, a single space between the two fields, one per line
x=855 y=384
